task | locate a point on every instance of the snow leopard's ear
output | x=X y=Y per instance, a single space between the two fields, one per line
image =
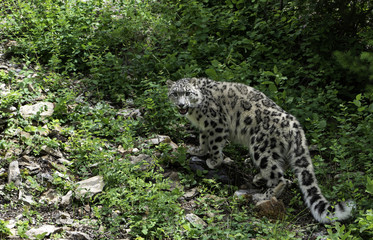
x=193 y=81
x=169 y=83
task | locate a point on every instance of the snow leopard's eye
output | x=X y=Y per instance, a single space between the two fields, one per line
x=187 y=94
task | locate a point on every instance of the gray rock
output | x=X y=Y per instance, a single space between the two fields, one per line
x=50 y=197
x=3 y=67
x=46 y=109
x=33 y=167
x=51 y=151
x=44 y=229
x=78 y=235
x=66 y=200
x=64 y=161
x=195 y=220
x=243 y=193
x=272 y=209
x=191 y=193
x=14 y=174
x=144 y=160
x=90 y=186
x=64 y=218
x=25 y=198
x=159 y=139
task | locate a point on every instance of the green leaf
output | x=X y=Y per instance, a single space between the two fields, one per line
x=212 y=73
x=369 y=185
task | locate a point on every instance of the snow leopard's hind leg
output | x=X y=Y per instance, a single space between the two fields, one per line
x=271 y=173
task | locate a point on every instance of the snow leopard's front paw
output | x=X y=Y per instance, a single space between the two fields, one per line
x=258 y=197
x=213 y=163
x=196 y=151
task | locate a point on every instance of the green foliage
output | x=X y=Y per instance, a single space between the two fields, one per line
x=312 y=58
x=4 y=231
x=159 y=115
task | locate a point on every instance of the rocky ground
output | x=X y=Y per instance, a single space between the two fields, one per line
x=51 y=214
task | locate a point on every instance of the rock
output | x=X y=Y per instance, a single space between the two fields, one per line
x=3 y=67
x=162 y=139
x=195 y=220
x=78 y=235
x=121 y=150
x=174 y=180
x=44 y=229
x=25 y=135
x=14 y=174
x=4 y=91
x=130 y=113
x=50 y=197
x=45 y=176
x=46 y=109
x=191 y=193
x=51 y=151
x=66 y=200
x=64 y=161
x=32 y=167
x=90 y=186
x=25 y=198
x=145 y=161
x=272 y=209
x=197 y=164
x=64 y=218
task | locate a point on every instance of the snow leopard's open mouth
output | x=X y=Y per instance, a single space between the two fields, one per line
x=183 y=111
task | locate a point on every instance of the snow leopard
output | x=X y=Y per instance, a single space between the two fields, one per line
x=228 y=111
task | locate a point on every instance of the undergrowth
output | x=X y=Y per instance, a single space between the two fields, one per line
x=112 y=51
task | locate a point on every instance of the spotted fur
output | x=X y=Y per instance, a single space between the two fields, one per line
x=231 y=111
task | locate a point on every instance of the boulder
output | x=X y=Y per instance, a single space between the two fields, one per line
x=195 y=220
x=14 y=174
x=47 y=230
x=90 y=187
x=45 y=109
x=272 y=209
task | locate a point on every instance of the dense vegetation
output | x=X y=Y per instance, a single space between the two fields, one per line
x=314 y=58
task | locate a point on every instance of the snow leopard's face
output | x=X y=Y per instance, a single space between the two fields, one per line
x=184 y=95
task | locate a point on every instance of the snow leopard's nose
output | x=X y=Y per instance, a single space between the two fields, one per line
x=181 y=105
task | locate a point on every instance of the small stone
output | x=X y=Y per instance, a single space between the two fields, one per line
x=50 y=197
x=144 y=160
x=33 y=167
x=195 y=220
x=79 y=235
x=64 y=161
x=64 y=218
x=51 y=151
x=174 y=180
x=14 y=174
x=191 y=193
x=90 y=186
x=25 y=198
x=159 y=139
x=273 y=209
x=45 y=176
x=66 y=200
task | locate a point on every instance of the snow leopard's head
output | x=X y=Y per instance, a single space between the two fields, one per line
x=184 y=94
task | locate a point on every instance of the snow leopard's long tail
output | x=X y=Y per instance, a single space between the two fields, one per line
x=320 y=208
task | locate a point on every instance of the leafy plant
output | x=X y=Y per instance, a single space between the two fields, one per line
x=4 y=230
